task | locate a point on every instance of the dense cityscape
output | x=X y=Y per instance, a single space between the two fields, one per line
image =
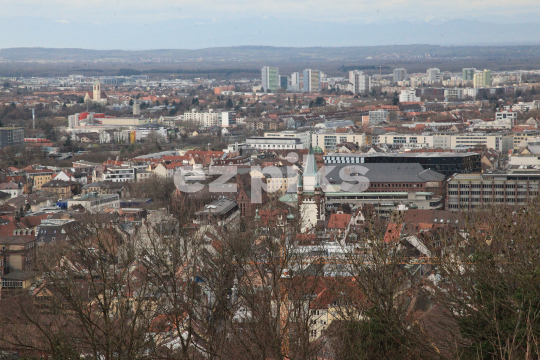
x=367 y=213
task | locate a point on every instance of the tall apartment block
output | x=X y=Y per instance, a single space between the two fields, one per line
x=270 y=78
x=400 y=74
x=482 y=79
x=360 y=83
x=312 y=80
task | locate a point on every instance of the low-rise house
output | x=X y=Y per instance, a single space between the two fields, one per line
x=11 y=189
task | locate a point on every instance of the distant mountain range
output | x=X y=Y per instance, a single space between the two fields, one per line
x=198 y=34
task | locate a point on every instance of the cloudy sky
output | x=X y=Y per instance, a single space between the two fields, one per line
x=61 y=22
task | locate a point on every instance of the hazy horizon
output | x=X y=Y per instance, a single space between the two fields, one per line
x=188 y=24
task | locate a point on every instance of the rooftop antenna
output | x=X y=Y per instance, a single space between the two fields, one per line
x=33 y=118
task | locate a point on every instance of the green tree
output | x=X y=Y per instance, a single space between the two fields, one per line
x=229 y=103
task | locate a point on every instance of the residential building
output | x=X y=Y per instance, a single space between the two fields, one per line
x=18 y=251
x=312 y=81
x=482 y=79
x=329 y=140
x=408 y=96
x=303 y=136
x=521 y=138
x=11 y=189
x=507 y=115
x=467 y=192
x=360 y=83
x=273 y=143
x=270 y=79
x=114 y=173
x=498 y=141
x=400 y=74
x=294 y=84
x=433 y=75
x=453 y=94
x=378 y=116
x=62 y=189
x=39 y=177
x=11 y=136
x=468 y=74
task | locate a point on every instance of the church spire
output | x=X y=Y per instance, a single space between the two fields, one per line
x=311 y=165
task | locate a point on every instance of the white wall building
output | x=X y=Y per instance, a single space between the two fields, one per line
x=433 y=75
x=328 y=141
x=407 y=140
x=453 y=94
x=360 y=83
x=408 y=96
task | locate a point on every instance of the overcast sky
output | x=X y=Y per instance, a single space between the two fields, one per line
x=321 y=10
x=117 y=14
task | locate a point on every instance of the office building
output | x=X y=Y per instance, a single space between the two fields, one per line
x=514 y=188
x=408 y=96
x=444 y=163
x=482 y=79
x=11 y=136
x=312 y=80
x=270 y=78
x=468 y=74
x=406 y=140
x=283 y=81
x=400 y=75
x=360 y=83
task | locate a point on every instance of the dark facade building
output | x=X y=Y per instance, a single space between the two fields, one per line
x=446 y=163
x=11 y=136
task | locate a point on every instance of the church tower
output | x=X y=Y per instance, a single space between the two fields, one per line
x=310 y=195
x=97 y=91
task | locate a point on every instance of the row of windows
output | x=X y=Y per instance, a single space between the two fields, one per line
x=489 y=186
x=376 y=185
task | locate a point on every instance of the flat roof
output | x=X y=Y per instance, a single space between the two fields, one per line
x=407 y=155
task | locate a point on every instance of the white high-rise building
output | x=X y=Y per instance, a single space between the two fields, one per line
x=312 y=80
x=360 y=83
x=270 y=78
x=433 y=75
x=400 y=74
x=294 y=84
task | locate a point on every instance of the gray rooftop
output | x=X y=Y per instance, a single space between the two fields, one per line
x=387 y=172
x=218 y=207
